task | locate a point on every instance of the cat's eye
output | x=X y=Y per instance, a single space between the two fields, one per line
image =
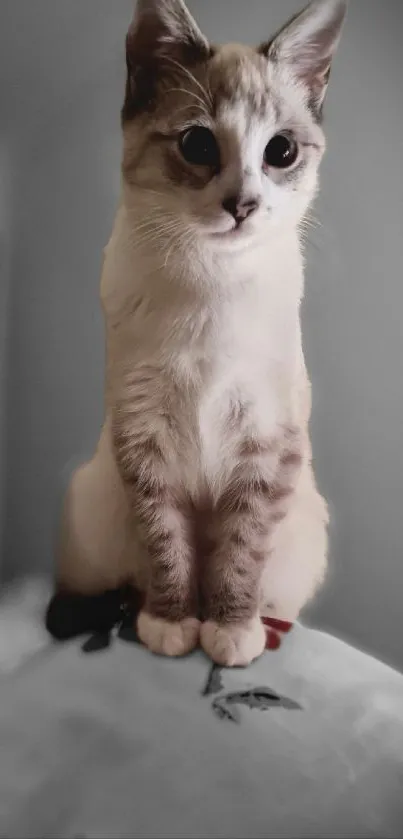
x=199 y=147
x=281 y=152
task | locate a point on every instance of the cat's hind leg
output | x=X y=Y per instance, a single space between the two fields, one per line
x=96 y=546
x=296 y=567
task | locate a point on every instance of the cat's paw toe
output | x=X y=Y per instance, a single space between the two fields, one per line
x=233 y=645
x=170 y=638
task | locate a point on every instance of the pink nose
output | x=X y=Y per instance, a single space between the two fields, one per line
x=240 y=209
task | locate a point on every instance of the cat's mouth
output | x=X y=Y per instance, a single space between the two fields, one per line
x=235 y=232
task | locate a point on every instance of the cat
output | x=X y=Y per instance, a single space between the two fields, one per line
x=201 y=491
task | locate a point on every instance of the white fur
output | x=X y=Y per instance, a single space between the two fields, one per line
x=233 y=645
x=165 y=638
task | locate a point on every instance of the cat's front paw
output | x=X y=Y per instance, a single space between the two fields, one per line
x=168 y=637
x=233 y=645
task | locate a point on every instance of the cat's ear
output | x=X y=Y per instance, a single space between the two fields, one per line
x=161 y=27
x=160 y=30
x=308 y=43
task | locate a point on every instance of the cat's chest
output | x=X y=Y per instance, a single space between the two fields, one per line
x=225 y=374
x=244 y=397
x=243 y=386
x=237 y=343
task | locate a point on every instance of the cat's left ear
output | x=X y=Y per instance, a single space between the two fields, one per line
x=163 y=27
x=308 y=43
x=161 y=31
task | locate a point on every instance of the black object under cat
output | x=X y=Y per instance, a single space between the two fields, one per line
x=71 y=615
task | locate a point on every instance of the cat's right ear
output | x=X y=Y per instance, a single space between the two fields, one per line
x=307 y=45
x=161 y=30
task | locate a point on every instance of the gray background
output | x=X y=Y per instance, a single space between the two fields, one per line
x=61 y=86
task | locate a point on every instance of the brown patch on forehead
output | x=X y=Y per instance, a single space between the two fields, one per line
x=148 y=83
x=237 y=73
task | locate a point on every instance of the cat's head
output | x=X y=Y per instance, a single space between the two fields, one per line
x=223 y=144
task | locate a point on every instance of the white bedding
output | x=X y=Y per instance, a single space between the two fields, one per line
x=123 y=744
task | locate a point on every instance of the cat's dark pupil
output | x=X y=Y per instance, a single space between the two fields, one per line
x=199 y=147
x=281 y=152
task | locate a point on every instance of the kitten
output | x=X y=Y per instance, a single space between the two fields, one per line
x=201 y=491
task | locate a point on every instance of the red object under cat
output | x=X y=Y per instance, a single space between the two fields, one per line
x=274 y=630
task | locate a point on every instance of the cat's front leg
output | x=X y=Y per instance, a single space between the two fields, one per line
x=168 y=623
x=254 y=501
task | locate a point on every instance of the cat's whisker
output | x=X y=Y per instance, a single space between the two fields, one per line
x=308 y=241
x=153 y=210
x=312 y=220
x=155 y=224
x=179 y=242
x=191 y=77
x=149 y=191
x=158 y=234
x=175 y=243
x=190 y=93
x=191 y=107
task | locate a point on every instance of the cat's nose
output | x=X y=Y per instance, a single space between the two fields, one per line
x=240 y=208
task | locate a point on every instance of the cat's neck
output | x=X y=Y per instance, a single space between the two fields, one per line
x=198 y=274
